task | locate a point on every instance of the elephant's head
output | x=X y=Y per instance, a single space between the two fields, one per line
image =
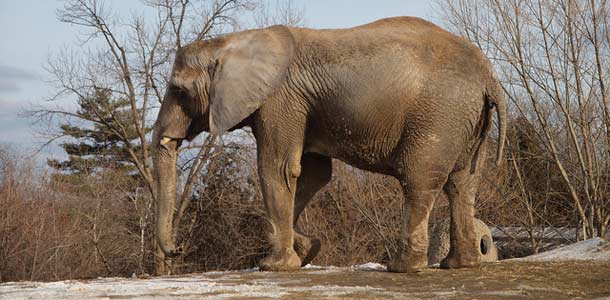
x=214 y=85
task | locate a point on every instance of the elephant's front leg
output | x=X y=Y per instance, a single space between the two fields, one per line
x=278 y=171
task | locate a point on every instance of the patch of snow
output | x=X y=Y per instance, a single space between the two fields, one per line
x=591 y=249
x=237 y=272
x=370 y=266
x=210 y=285
x=314 y=267
x=194 y=287
x=543 y=289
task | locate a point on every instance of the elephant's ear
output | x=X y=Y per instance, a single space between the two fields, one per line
x=250 y=66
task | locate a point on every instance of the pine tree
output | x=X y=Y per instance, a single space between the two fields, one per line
x=98 y=144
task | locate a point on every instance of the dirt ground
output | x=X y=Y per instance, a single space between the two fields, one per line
x=501 y=280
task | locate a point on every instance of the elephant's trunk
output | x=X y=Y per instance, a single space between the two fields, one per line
x=164 y=159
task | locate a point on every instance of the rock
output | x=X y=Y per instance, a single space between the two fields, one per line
x=439 y=242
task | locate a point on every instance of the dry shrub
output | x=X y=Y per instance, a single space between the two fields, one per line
x=357 y=216
x=224 y=227
x=54 y=229
x=559 y=146
x=526 y=198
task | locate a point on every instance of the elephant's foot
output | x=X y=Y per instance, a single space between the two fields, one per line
x=306 y=247
x=408 y=263
x=454 y=261
x=286 y=260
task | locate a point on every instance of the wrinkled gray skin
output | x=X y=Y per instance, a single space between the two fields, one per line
x=399 y=96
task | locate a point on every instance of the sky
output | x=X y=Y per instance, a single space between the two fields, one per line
x=30 y=32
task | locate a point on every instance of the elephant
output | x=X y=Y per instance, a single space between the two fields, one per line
x=440 y=242
x=399 y=96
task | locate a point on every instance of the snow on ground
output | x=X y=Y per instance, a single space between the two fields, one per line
x=370 y=267
x=531 y=277
x=591 y=249
x=210 y=285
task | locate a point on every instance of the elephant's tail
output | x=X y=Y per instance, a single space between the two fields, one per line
x=494 y=96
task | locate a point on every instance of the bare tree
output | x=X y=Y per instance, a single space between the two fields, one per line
x=552 y=56
x=132 y=58
x=286 y=12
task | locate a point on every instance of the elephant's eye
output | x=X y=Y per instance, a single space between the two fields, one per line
x=178 y=92
x=182 y=98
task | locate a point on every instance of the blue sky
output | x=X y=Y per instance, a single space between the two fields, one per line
x=30 y=32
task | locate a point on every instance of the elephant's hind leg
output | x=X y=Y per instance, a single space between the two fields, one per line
x=316 y=171
x=461 y=189
x=421 y=186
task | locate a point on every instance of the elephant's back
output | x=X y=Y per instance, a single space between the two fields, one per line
x=412 y=42
x=401 y=54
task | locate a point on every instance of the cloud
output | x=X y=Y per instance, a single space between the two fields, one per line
x=8 y=86
x=8 y=72
x=10 y=77
x=8 y=105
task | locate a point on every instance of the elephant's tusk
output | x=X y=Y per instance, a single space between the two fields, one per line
x=165 y=140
